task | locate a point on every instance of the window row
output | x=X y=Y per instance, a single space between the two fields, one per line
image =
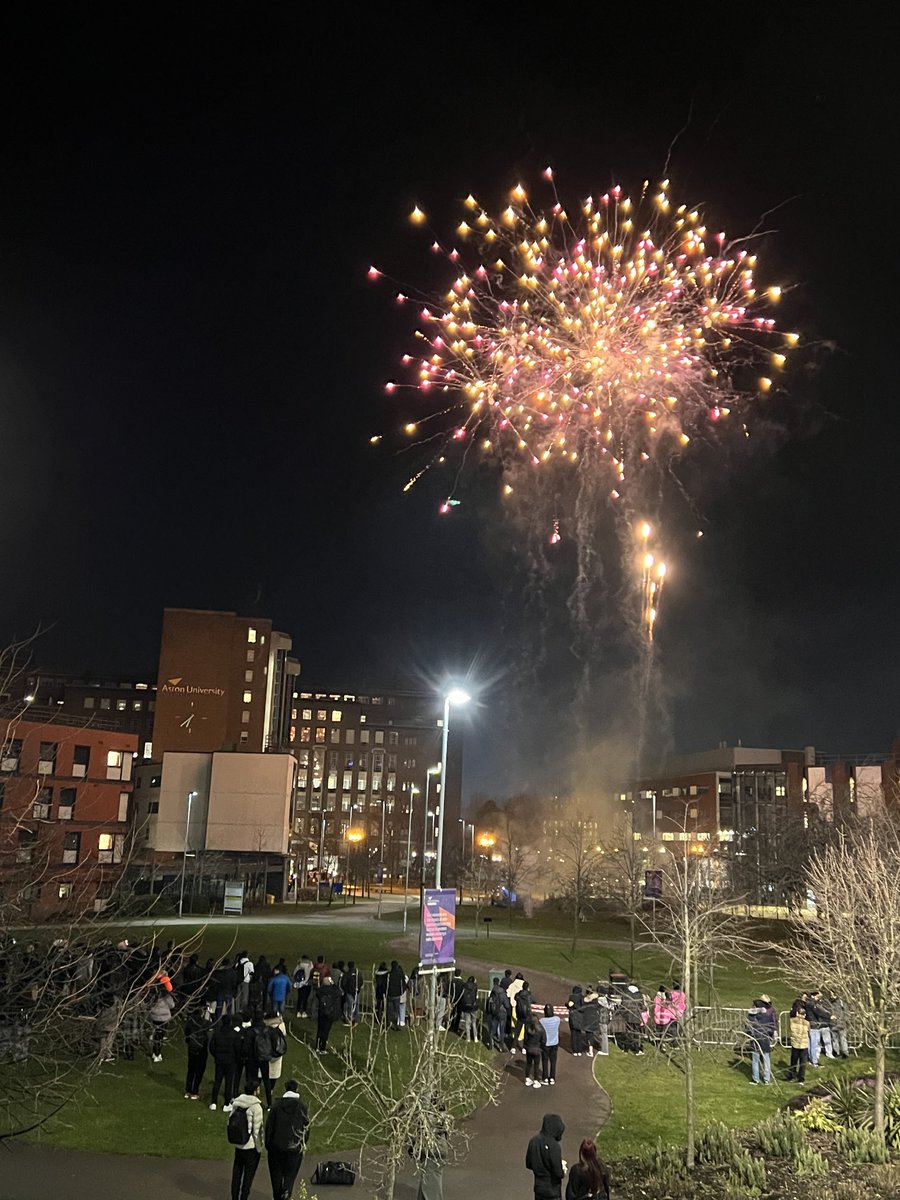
x=110 y=847
x=118 y=762
x=333 y=735
x=104 y=704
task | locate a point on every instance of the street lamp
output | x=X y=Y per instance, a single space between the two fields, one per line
x=413 y=792
x=429 y=774
x=457 y=696
x=187 y=826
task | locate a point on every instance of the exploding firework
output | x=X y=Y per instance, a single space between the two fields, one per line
x=607 y=342
x=583 y=354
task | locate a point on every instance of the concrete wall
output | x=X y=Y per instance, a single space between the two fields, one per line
x=250 y=802
x=181 y=774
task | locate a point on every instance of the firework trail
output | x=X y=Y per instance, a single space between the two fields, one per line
x=584 y=355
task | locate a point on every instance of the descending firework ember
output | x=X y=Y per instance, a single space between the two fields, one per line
x=609 y=341
x=652 y=573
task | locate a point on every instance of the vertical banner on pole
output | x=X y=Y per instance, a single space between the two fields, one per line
x=438 y=932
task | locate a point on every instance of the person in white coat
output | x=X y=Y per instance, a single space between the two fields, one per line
x=246 y=1156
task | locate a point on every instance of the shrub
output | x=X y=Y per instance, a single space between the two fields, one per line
x=779 y=1136
x=810 y=1162
x=862 y=1146
x=747 y=1174
x=718 y=1145
x=851 y=1105
x=817 y=1115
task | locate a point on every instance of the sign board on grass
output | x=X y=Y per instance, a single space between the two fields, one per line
x=234 y=898
x=438 y=932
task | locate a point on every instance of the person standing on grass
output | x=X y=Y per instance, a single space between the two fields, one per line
x=225 y=1047
x=279 y=987
x=350 y=988
x=329 y=1010
x=285 y=1138
x=605 y=1011
x=396 y=986
x=799 y=1042
x=302 y=973
x=278 y=1038
x=838 y=1008
x=457 y=987
x=589 y=1177
x=550 y=1049
x=160 y=1016
x=534 y=1042
x=245 y=974
x=246 y=1154
x=544 y=1158
x=761 y=1031
x=469 y=1009
x=196 y=1039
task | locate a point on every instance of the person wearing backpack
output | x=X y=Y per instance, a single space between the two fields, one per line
x=245 y=1133
x=196 y=1038
x=523 y=1002
x=329 y=1011
x=278 y=1038
x=351 y=982
x=469 y=1008
x=225 y=1047
x=285 y=1137
x=495 y=1011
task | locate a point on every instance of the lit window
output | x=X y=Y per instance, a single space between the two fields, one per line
x=293 y=714
x=105 y=841
x=251 y=635
x=304 y=733
x=148 y=750
x=335 y=714
x=335 y=735
x=393 y=738
x=320 y=734
x=137 y=705
x=114 y=758
x=105 y=703
x=245 y=736
x=321 y=714
x=364 y=736
x=251 y=656
x=65 y=891
x=379 y=737
x=378 y=699
x=668 y=837
x=123 y=806
x=361 y=782
x=332 y=781
x=248 y=697
x=121 y=705
x=362 y=718
x=307 y=714
x=391 y=781
x=142 y=687
x=348 y=781
x=245 y=717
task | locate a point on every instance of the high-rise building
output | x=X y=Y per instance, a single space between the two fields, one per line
x=363 y=762
x=225 y=683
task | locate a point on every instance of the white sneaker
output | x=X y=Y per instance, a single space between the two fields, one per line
x=591 y=1052
x=212 y=1108
x=227 y=1107
x=552 y=1082
x=528 y=1083
x=536 y=1084
x=157 y=1058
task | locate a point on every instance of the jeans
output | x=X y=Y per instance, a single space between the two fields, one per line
x=827 y=1044
x=242 y=1000
x=470 y=1026
x=548 y=1062
x=604 y=1039
x=494 y=1036
x=767 y=1065
x=839 y=1042
x=245 y=1164
x=159 y=1037
x=532 y=1066
x=351 y=1007
x=815 y=1043
x=798 y=1064
x=283 y=1168
x=277 y=1005
x=393 y=1011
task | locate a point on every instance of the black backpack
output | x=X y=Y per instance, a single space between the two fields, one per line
x=279 y=1042
x=494 y=1005
x=263 y=1045
x=239 y=1127
x=523 y=1004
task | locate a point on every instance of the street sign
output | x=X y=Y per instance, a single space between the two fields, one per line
x=438 y=932
x=234 y=898
x=653 y=885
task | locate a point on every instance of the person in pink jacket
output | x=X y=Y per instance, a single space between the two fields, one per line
x=663 y=1011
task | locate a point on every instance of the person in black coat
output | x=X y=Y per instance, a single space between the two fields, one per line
x=396 y=986
x=457 y=987
x=328 y=1012
x=196 y=1038
x=225 y=1047
x=381 y=982
x=544 y=1158
x=576 y=1022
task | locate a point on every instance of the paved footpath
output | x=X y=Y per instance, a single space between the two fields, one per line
x=495 y=1160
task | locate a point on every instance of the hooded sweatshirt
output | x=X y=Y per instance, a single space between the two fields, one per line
x=544 y=1158
x=287 y=1123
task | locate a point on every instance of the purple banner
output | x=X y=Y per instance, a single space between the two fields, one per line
x=437 y=936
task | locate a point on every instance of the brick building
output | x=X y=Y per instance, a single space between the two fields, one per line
x=64 y=806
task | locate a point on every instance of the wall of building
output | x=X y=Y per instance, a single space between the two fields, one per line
x=250 y=801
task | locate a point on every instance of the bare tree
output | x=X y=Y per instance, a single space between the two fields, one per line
x=399 y=1102
x=515 y=866
x=480 y=879
x=853 y=944
x=622 y=875
x=576 y=869
x=694 y=923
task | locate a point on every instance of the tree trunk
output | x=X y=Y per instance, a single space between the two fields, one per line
x=631 y=920
x=879 y=1086
x=687 y=1034
x=575 y=929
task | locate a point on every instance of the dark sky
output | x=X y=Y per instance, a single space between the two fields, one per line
x=192 y=358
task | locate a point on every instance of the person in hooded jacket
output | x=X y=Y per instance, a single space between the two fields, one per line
x=534 y=1041
x=196 y=1038
x=381 y=982
x=590 y=1021
x=544 y=1158
x=396 y=986
x=495 y=1014
x=761 y=1023
x=246 y=1157
x=523 y=1003
x=457 y=987
x=285 y=1138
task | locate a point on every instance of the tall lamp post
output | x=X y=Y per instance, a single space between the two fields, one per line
x=457 y=696
x=187 y=826
x=429 y=775
x=413 y=792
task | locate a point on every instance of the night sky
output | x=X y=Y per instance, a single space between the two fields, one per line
x=192 y=358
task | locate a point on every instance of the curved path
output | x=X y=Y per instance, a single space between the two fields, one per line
x=495 y=1162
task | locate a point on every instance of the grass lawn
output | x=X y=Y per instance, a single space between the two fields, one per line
x=647 y=1095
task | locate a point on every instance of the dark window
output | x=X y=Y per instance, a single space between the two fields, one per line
x=81 y=760
x=48 y=752
x=71 y=847
x=153 y=806
x=67 y=796
x=11 y=754
x=156 y=781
